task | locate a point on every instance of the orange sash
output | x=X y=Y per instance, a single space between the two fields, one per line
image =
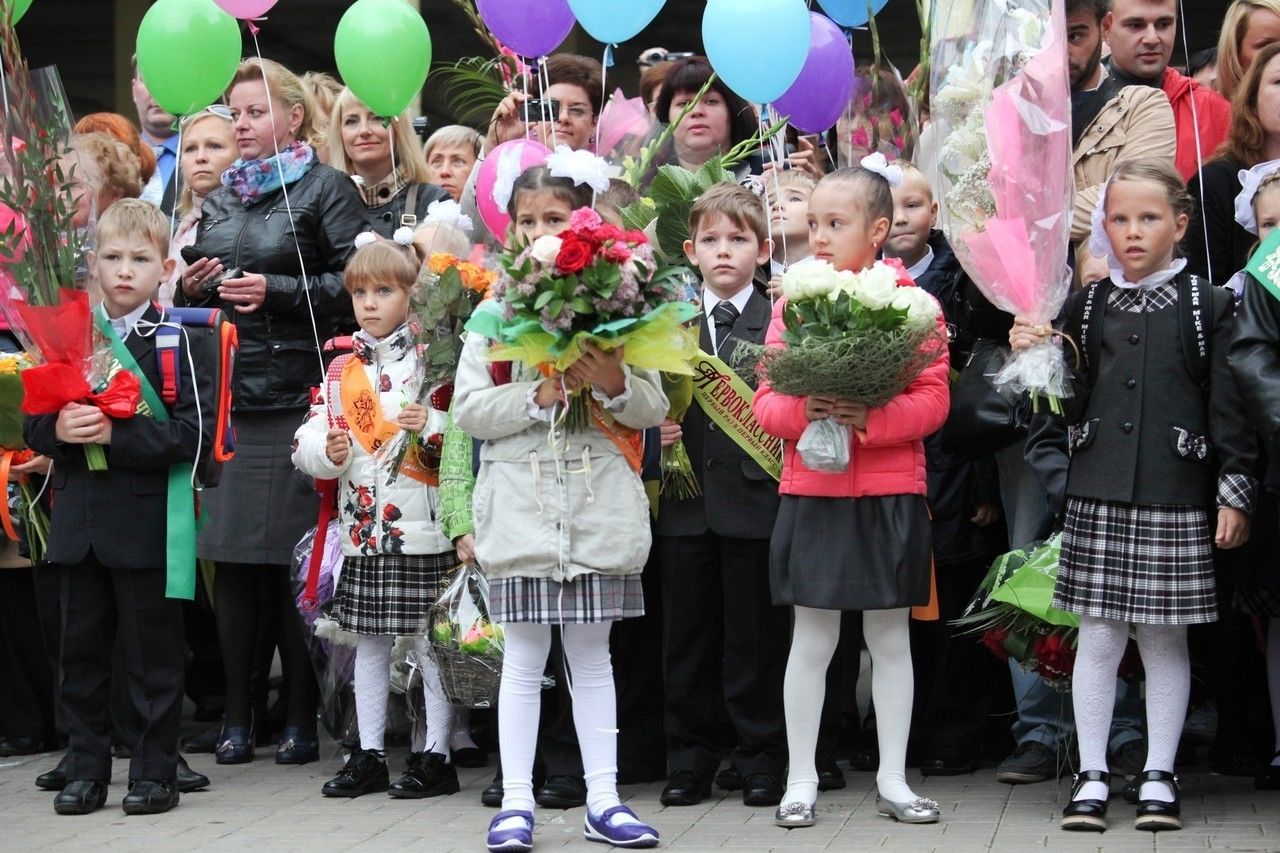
x=364 y=419
x=629 y=441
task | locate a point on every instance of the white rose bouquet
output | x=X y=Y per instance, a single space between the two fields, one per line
x=861 y=336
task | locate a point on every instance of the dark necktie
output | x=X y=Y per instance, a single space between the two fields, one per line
x=724 y=315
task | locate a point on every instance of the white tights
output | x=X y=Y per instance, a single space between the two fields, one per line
x=594 y=710
x=812 y=644
x=372 y=681
x=1093 y=693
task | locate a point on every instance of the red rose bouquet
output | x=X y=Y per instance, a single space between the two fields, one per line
x=593 y=282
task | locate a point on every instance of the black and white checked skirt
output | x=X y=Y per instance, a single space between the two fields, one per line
x=1150 y=564
x=585 y=599
x=388 y=593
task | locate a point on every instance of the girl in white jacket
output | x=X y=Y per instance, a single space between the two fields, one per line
x=394 y=551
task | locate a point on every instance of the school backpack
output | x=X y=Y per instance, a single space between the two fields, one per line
x=212 y=340
x=1193 y=301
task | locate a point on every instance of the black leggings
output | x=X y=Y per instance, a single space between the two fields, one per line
x=251 y=602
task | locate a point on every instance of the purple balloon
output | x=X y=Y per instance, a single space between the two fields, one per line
x=529 y=28
x=820 y=94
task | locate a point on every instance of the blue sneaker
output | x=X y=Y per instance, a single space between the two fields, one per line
x=519 y=839
x=622 y=835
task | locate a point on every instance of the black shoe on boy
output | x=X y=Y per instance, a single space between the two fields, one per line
x=81 y=796
x=427 y=774
x=150 y=797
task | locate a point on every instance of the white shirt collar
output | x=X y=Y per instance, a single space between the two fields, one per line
x=921 y=266
x=123 y=326
x=739 y=300
x=1150 y=282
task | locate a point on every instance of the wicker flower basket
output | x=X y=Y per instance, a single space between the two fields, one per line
x=468 y=680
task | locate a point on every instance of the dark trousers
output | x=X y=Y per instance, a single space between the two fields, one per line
x=841 y=722
x=25 y=671
x=725 y=650
x=100 y=604
x=636 y=645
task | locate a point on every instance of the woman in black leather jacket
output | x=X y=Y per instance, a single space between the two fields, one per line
x=286 y=256
x=361 y=145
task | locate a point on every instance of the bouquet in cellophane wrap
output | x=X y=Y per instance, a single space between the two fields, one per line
x=43 y=247
x=592 y=283
x=448 y=291
x=1002 y=108
x=862 y=337
x=465 y=643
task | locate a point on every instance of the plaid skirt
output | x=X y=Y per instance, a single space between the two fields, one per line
x=586 y=598
x=388 y=593
x=1149 y=564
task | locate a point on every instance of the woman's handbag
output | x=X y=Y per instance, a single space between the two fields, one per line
x=982 y=420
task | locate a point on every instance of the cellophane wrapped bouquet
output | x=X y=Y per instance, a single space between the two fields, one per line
x=465 y=643
x=1002 y=105
x=592 y=282
x=1013 y=613
x=449 y=289
x=861 y=336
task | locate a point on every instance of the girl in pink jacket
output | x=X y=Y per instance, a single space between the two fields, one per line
x=859 y=539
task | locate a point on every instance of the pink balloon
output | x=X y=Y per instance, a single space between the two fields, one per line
x=246 y=9
x=16 y=235
x=493 y=185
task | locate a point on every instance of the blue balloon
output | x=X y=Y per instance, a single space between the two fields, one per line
x=758 y=47
x=851 y=13
x=612 y=22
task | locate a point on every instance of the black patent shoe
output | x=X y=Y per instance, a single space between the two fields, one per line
x=234 y=746
x=562 y=792
x=761 y=789
x=55 y=779
x=1086 y=815
x=685 y=788
x=189 y=780
x=149 y=797
x=491 y=797
x=81 y=796
x=1157 y=815
x=295 y=748
x=427 y=775
x=830 y=776
x=364 y=773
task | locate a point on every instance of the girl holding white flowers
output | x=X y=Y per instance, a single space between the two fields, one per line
x=858 y=539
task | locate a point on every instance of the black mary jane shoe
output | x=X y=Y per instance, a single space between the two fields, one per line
x=1268 y=778
x=427 y=774
x=1157 y=815
x=364 y=773
x=1086 y=815
x=150 y=797
x=80 y=796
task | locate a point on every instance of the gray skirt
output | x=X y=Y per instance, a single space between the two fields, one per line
x=263 y=505
x=871 y=553
x=586 y=599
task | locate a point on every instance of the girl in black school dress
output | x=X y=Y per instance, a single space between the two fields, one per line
x=1159 y=453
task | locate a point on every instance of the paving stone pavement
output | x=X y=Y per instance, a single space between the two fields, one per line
x=261 y=806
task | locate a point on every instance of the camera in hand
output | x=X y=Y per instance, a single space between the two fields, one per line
x=547 y=109
x=421 y=125
x=191 y=254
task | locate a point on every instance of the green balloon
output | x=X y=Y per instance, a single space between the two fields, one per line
x=19 y=7
x=188 y=51
x=383 y=50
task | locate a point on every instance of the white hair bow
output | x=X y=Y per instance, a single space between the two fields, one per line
x=448 y=212
x=879 y=164
x=505 y=180
x=1250 y=180
x=582 y=167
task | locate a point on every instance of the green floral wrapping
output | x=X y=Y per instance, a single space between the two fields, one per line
x=678 y=479
x=11 y=411
x=457 y=482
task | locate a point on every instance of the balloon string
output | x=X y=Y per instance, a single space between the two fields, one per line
x=288 y=208
x=772 y=157
x=177 y=174
x=545 y=77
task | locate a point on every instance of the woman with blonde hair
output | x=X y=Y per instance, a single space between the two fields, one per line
x=281 y=227
x=208 y=149
x=1248 y=27
x=385 y=162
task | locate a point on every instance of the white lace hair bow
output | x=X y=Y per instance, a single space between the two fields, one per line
x=1099 y=243
x=879 y=164
x=582 y=167
x=447 y=212
x=505 y=179
x=1250 y=180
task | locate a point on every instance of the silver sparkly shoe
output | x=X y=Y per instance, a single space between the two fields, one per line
x=794 y=815
x=919 y=810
